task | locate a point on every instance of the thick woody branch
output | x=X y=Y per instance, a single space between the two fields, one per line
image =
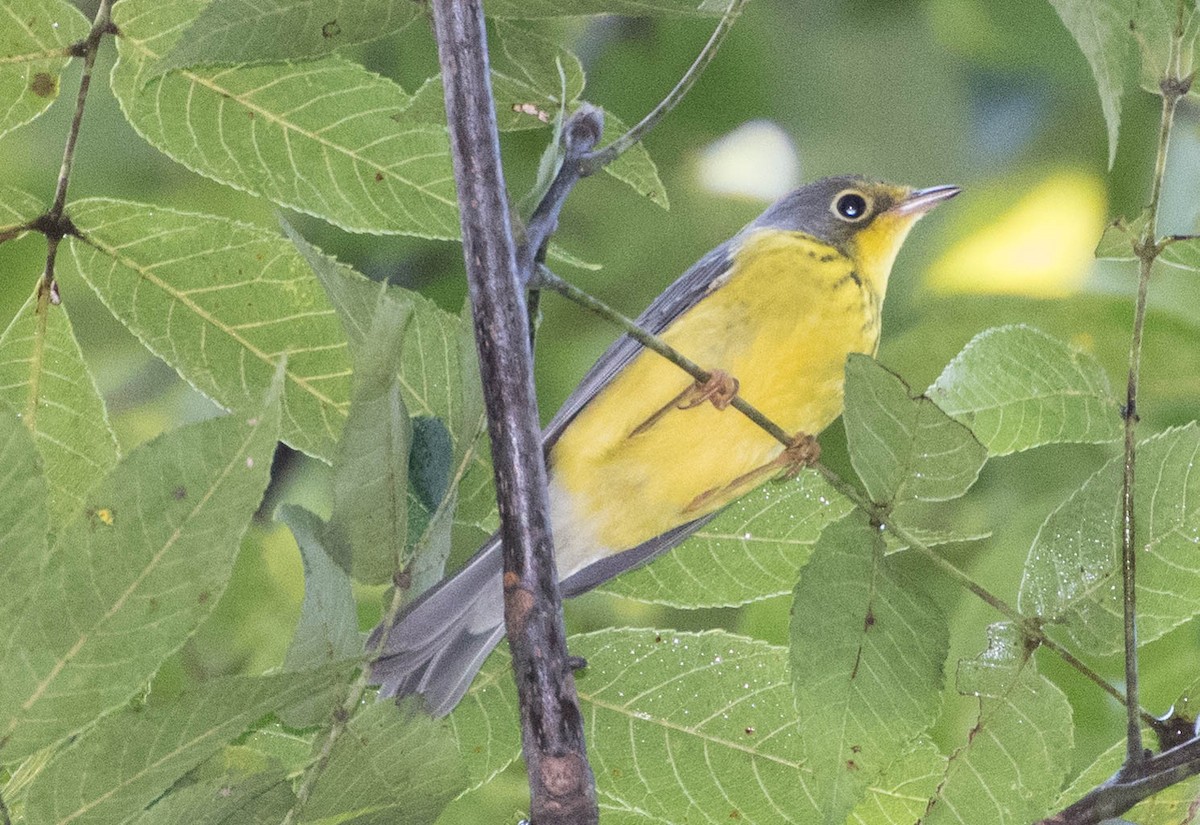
x=561 y=784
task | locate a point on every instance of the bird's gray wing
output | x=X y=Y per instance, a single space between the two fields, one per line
x=677 y=299
x=600 y=571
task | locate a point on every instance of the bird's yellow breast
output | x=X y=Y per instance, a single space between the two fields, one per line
x=781 y=322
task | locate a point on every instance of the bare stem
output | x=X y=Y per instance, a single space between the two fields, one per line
x=1148 y=249
x=602 y=157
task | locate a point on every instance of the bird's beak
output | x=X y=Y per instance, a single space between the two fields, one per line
x=922 y=200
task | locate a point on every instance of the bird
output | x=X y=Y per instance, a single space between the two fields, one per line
x=641 y=454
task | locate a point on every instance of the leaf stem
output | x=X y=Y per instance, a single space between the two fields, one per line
x=602 y=157
x=1031 y=627
x=1147 y=249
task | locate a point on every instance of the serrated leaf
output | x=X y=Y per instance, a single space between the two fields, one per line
x=904 y=448
x=131 y=757
x=753 y=550
x=1101 y=28
x=1117 y=242
x=1016 y=388
x=531 y=9
x=325 y=136
x=390 y=766
x=685 y=726
x=17 y=208
x=222 y=302
x=370 y=481
x=901 y=795
x=328 y=628
x=867 y=650
x=269 y=31
x=131 y=578
x=635 y=167
x=34 y=36
x=24 y=520
x=44 y=377
x=1073 y=572
x=1018 y=750
x=261 y=799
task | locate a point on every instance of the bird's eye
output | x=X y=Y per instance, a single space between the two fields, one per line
x=850 y=206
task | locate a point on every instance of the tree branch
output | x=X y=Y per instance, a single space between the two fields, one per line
x=561 y=784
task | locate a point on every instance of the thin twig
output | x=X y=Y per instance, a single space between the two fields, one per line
x=602 y=157
x=52 y=224
x=562 y=788
x=1148 y=249
x=1030 y=627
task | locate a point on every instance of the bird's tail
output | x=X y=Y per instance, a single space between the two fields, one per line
x=441 y=640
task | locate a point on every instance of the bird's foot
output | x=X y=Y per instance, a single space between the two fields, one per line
x=803 y=452
x=720 y=389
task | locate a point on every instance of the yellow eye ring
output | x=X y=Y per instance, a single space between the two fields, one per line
x=850 y=205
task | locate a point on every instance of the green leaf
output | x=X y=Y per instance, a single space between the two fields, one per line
x=370 y=481
x=44 y=377
x=1184 y=254
x=269 y=31
x=689 y=727
x=867 y=650
x=1154 y=29
x=545 y=65
x=131 y=578
x=221 y=302
x=439 y=377
x=328 y=628
x=1101 y=28
x=24 y=520
x=486 y=724
x=1073 y=572
x=1018 y=749
x=753 y=550
x=34 y=36
x=635 y=166
x=325 y=136
x=391 y=766
x=17 y=207
x=1120 y=236
x=1018 y=388
x=531 y=9
x=904 y=448
x=901 y=795
x=131 y=757
x=261 y=799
